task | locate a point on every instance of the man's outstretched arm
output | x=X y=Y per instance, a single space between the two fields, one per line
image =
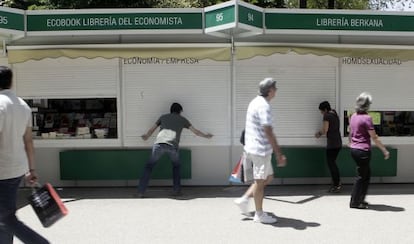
x=199 y=133
x=149 y=132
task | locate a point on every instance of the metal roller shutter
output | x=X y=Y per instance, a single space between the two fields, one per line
x=202 y=88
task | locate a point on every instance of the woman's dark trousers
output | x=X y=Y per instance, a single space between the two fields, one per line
x=331 y=155
x=362 y=160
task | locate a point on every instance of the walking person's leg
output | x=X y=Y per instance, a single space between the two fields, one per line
x=362 y=179
x=366 y=176
x=331 y=156
x=258 y=195
x=262 y=171
x=157 y=152
x=356 y=190
x=243 y=201
x=9 y=224
x=249 y=192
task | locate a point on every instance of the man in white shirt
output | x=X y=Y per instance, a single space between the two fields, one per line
x=260 y=143
x=16 y=160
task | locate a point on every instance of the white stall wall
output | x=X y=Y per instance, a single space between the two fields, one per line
x=391 y=86
x=70 y=78
x=67 y=78
x=303 y=82
x=4 y=61
x=202 y=88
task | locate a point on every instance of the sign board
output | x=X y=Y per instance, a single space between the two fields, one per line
x=220 y=17
x=11 y=20
x=134 y=20
x=355 y=21
x=233 y=15
x=233 y=18
x=250 y=16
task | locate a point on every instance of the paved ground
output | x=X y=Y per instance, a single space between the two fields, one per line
x=306 y=214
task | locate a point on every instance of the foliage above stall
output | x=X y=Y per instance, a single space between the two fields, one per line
x=81 y=4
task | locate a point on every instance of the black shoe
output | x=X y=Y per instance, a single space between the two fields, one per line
x=139 y=195
x=359 y=206
x=335 y=189
x=176 y=193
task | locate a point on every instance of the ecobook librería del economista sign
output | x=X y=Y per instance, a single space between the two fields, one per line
x=94 y=20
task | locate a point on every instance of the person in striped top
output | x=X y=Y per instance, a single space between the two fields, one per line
x=260 y=143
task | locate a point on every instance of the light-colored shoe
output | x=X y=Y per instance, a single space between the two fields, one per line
x=264 y=219
x=243 y=204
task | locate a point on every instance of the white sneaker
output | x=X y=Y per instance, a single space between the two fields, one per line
x=264 y=219
x=243 y=204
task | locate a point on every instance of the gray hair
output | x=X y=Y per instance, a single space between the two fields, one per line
x=265 y=85
x=363 y=101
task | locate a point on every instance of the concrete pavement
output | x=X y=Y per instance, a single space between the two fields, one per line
x=306 y=214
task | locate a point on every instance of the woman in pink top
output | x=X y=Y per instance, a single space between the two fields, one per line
x=361 y=132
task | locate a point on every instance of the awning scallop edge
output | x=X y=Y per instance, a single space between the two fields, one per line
x=213 y=53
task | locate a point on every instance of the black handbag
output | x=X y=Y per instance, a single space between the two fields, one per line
x=242 y=137
x=47 y=204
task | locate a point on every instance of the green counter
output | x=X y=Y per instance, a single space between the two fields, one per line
x=311 y=162
x=117 y=164
x=122 y=164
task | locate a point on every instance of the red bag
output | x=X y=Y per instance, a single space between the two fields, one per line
x=237 y=175
x=47 y=204
x=243 y=171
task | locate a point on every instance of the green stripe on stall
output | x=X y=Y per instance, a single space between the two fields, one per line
x=311 y=162
x=117 y=165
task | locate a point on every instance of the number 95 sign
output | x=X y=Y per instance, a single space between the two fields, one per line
x=219 y=17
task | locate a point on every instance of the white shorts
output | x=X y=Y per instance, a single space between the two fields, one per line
x=262 y=166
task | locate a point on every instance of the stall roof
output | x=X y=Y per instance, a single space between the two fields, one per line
x=118 y=39
x=204 y=38
x=341 y=38
x=221 y=23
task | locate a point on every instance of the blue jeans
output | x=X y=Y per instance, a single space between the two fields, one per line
x=157 y=151
x=9 y=224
